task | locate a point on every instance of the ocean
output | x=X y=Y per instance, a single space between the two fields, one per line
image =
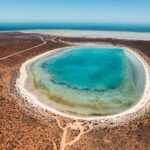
x=75 y=26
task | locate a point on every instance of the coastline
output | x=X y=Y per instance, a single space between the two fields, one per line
x=42 y=128
x=124 y=35
x=117 y=117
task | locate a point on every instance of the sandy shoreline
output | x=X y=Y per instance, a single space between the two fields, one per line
x=25 y=125
x=117 y=117
x=93 y=34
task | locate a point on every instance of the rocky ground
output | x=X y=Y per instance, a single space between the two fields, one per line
x=22 y=126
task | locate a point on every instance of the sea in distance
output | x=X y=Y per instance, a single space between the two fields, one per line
x=87 y=80
x=76 y=26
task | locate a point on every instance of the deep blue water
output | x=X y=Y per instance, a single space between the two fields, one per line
x=75 y=26
x=88 y=68
x=87 y=80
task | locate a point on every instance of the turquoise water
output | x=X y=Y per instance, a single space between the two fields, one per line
x=89 y=68
x=75 y=26
x=88 y=80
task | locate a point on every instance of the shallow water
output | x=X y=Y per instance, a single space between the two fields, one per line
x=88 y=80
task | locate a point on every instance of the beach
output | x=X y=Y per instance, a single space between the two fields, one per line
x=93 y=34
x=32 y=98
x=34 y=120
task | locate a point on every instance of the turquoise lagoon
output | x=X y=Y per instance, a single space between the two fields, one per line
x=87 y=80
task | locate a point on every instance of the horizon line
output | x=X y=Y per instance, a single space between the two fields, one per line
x=74 y=22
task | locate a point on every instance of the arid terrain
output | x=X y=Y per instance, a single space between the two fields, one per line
x=22 y=126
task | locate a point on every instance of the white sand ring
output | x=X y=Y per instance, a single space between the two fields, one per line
x=144 y=102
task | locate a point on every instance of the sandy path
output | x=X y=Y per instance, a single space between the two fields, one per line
x=77 y=125
x=43 y=43
x=55 y=147
x=74 y=126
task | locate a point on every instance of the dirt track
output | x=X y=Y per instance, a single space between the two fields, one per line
x=24 y=128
